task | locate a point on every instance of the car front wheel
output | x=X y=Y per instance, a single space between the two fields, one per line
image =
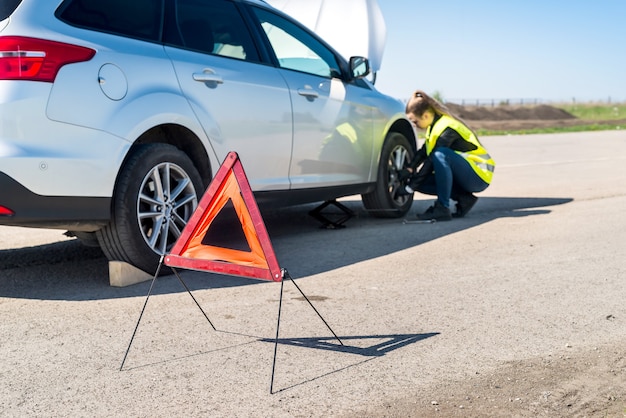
x=156 y=193
x=383 y=201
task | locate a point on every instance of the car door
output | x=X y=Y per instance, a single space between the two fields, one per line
x=333 y=141
x=242 y=104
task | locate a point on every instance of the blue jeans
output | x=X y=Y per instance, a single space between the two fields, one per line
x=452 y=176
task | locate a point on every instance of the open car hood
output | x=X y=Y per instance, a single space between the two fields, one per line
x=352 y=27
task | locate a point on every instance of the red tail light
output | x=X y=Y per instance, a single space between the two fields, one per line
x=33 y=59
x=4 y=211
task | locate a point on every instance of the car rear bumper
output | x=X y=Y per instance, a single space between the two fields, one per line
x=58 y=212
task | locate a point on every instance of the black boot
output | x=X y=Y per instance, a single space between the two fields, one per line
x=464 y=202
x=438 y=212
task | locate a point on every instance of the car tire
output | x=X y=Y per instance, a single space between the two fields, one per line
x=156 y=193
x=383 y=201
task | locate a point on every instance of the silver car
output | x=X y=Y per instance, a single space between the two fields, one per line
x=115 y=115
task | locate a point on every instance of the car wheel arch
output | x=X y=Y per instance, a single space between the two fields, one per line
x=185 y=140
x=404 y=127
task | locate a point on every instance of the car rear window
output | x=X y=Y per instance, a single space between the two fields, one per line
x=132 y=18
x=213 y=27
x=7 y=7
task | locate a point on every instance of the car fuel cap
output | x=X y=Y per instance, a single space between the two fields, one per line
x=112 y=82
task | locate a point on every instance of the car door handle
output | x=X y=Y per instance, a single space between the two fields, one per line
x=308 y=93
x=208 y=76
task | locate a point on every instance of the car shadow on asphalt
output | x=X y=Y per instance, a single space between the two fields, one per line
x=68 y=270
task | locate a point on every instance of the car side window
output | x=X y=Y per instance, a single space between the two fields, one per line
x=295 y=48
x=139 y=19
x=213 y=27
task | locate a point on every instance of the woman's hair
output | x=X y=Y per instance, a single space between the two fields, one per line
x=420 y=102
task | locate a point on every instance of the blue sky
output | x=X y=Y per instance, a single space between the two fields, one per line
x=554 y=51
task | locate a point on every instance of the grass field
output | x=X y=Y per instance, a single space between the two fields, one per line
x=552 y=130
x=599 y=117
x=598 y=112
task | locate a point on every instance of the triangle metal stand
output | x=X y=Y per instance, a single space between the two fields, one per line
x=180 y=279
x=280 y=303
x=285 y=275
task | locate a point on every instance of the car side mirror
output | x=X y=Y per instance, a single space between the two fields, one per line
x=359 y=67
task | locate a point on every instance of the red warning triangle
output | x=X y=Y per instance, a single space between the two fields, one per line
x=193 y=250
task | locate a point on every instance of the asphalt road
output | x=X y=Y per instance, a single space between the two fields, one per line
x=535 y=269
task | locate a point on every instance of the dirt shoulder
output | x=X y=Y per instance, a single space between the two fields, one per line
x=521 y=124
x=515 y=118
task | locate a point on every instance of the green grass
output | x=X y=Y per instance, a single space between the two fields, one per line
x=600 y=114
x=579 y=128
x=596 y=111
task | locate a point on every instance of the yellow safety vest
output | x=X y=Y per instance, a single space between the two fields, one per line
x=479 y=159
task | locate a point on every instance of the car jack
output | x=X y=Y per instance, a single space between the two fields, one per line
x=338 y=219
